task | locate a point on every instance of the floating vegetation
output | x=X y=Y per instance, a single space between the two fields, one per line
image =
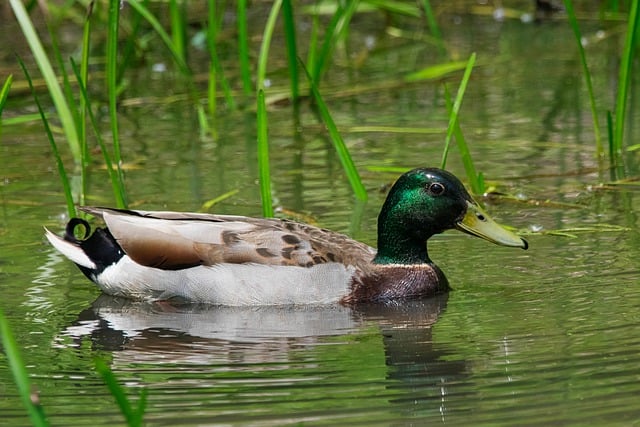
x=573 y=232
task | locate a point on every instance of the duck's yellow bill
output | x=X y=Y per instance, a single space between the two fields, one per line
x=477 y=223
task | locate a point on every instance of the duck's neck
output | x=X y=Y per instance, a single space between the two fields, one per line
x=398 y=245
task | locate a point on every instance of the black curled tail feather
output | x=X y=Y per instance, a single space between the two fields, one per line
x=101 y=247
x=69 y=231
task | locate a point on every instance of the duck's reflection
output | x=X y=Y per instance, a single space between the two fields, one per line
x=203 y=334
x=266 y=338
x=418 y=366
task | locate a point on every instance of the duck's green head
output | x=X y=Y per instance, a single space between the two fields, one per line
x=428 y=201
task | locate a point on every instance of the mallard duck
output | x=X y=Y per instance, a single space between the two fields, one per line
x=236 y=260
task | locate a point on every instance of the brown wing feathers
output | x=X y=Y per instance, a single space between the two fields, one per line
x=175 y=240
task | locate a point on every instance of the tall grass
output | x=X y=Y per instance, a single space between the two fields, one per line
x=27 y=393
x=616 y=122
x=455 y=109
x=263 y=142
x=243 y=47
x=178 y=19
x=625 y=72
x=433 y=26
x=112 y=84
x=215 y=68
x=134 y=416
x=177 y=53
x=263 y=156
x=341 y=148
x=66 y=185
x=31 y=399
x=573 y=22
x=4 y=94
x=115 y=176
x=476 y=180
x=292 y=49
x=50 y=77
x=334 y=32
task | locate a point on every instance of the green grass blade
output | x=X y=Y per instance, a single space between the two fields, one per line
x=475 y=180
x=206 y=206
x=243 y=47
x=117 y=184
x=133 y=417
x=177 y=57
x=4 y=94
x=215 y=67
x=212 y=32
x=112 y=84
x=20 y=375
x=83 y=77
x=39 y=54
x=573 y=22
x=336 y=28
x=624 y=79
x=66 y=186
x=338 y=143
x=142 y=405
x=453 y=116
x=129 y=48
x=610 y=135
x=395 y=7
x=263 y=140
x=66 y=85
x=263 y=157
x=436 y=71
x=155 y=24
x=312 y=54
x=75 y=111
x=433 y=25
x=266 y=42
x=178 y=31
x=614 y=156
x=292 y=50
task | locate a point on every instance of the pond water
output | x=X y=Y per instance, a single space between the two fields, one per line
x=550 y=336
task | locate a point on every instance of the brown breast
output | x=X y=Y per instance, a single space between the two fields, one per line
x=388 y=282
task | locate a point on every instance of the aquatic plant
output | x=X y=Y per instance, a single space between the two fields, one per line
x=624 y=78
x=4 y=93
x=616 y=120
x=31 y=399
x=573 y=22
x=476 y=180
x=50 y=77
x=338 y=143
x=28 y=394
x=133 y=416
x=66 y=184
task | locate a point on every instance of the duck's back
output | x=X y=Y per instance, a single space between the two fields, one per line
x=229 y=260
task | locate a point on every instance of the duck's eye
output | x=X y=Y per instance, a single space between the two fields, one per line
x=435 y=189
